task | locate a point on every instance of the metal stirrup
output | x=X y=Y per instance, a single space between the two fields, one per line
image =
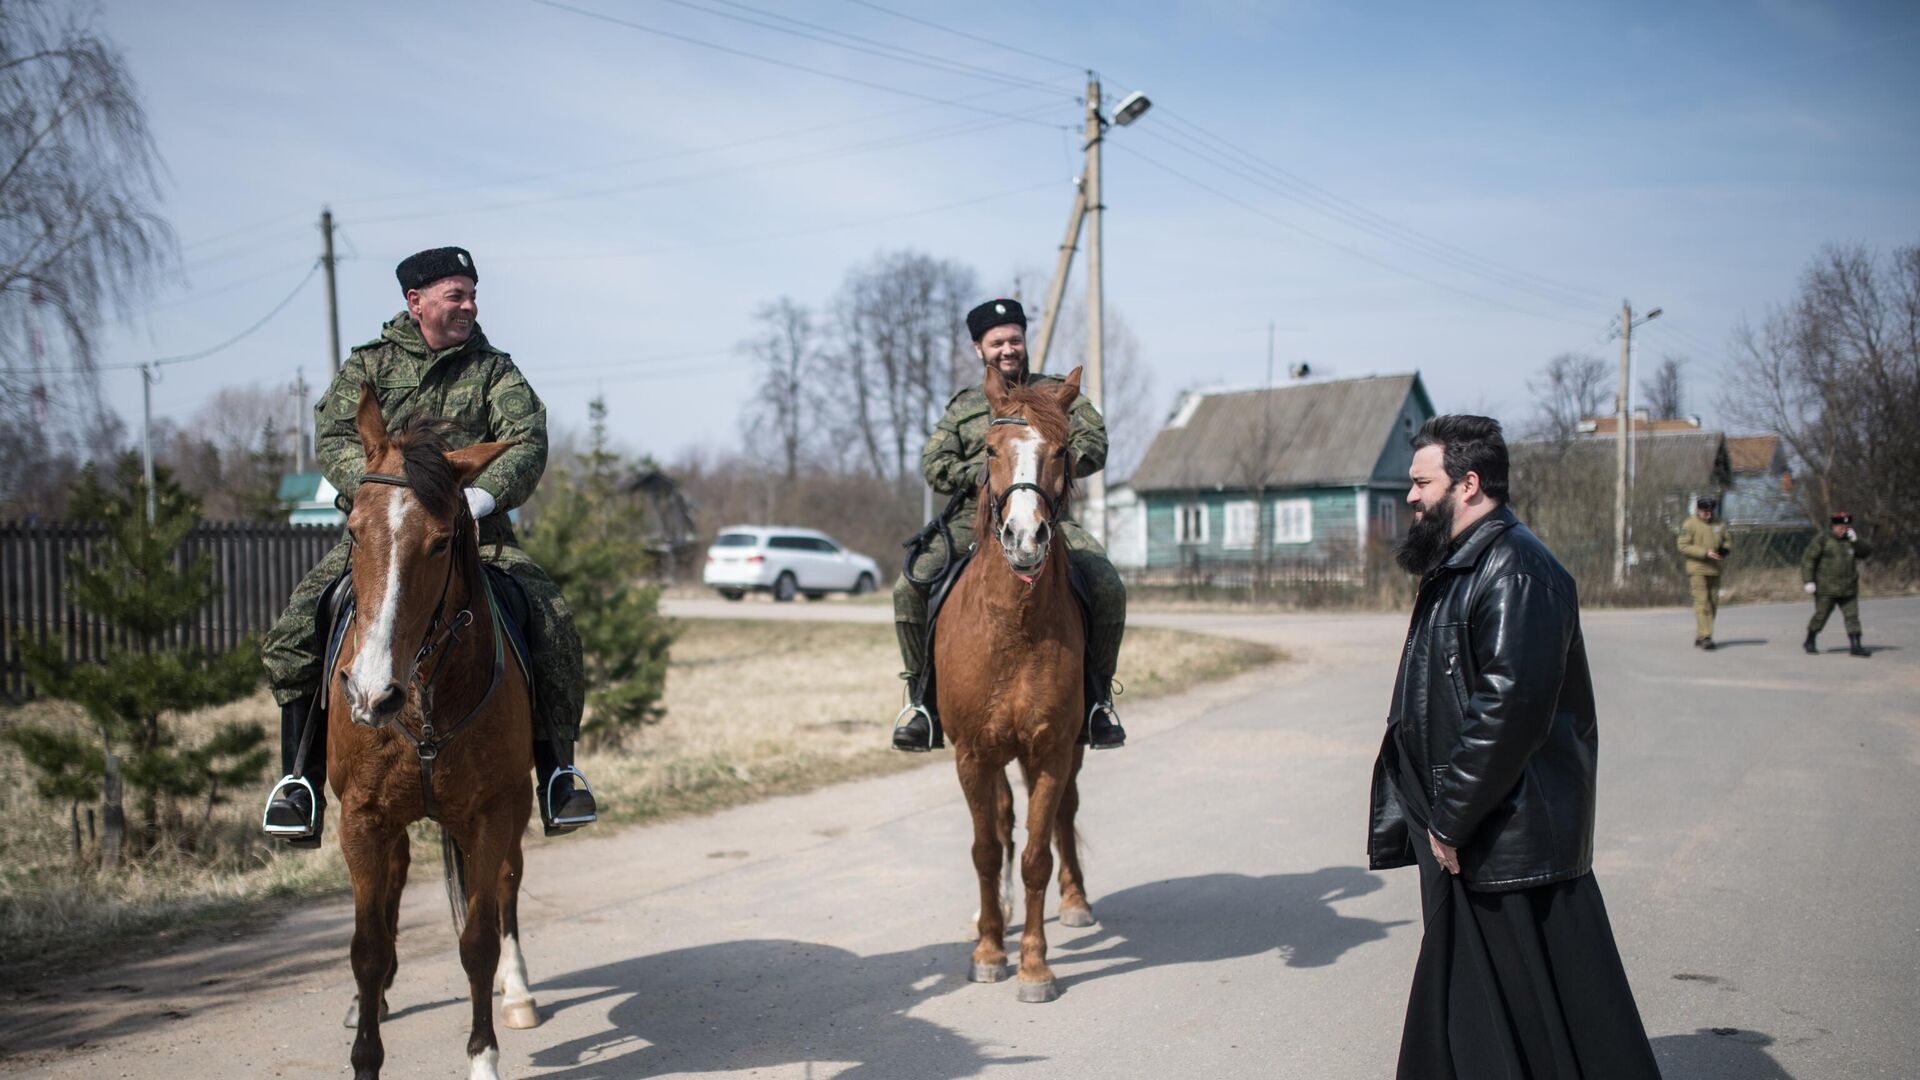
x=313 y=800
x=580 y=778
x=910 y=709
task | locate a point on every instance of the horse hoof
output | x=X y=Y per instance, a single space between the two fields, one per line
x=988 y=973
x=1039 y=993
x=1076 y=916
x=520 y=1015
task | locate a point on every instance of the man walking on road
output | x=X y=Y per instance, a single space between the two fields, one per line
x=1831 y=572
x=1485 y=780
x=1705 y=545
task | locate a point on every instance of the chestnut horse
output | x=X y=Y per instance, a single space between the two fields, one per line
x=1010 y=650
x=428 y=718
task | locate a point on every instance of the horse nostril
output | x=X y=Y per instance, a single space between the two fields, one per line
x=389 y=699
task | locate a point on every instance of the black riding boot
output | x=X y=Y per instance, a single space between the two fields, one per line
x=297 y=806
x=916 y=730
x=1809 y=646
x=566 y=802
x=1854 y=648
x=1103 y=730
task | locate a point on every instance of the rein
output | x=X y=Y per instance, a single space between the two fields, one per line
x=428 y=744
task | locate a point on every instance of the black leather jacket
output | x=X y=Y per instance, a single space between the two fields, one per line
x=1492 y=742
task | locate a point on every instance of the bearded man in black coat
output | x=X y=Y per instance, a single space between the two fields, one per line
x=1486 y=780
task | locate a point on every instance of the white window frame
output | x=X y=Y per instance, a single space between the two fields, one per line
x=1248 y=513
x=1301 y=510
x=1180 y=518
x=1389 y=515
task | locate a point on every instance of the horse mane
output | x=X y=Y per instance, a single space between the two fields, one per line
x=1037 y=405
x=423 y=444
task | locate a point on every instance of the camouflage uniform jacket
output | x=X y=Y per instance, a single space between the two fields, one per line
x=957 y=449
x=1831 y=565
x=1697 y=538
x=473 y=384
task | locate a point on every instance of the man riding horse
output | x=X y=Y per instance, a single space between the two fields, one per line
x=431 y=360
x=954 y=462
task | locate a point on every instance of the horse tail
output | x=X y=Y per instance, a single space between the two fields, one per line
x=455 y=863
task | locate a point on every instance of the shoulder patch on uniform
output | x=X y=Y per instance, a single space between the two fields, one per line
x=515 y=402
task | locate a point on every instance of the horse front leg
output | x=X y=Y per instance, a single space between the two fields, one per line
x=1045 y=785
x=978 y=783
x=1074 y=909
x=486 y=847
x=367 y=845
x=517 y=1007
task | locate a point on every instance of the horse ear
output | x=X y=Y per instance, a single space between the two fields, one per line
x=1070 y=390
x=373 y=426
x=473 y=460
x=996 y=388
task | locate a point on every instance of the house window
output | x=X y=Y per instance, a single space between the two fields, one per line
x=1293 y=521
x=1190 y=524
x=1386 y=517
x=1242 y=518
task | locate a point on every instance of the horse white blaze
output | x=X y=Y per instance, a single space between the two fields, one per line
x=485 y=1065
x=373 y=665
x=1022 y=510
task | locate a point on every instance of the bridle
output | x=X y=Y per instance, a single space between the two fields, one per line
x=996 y=504
x=438 y=638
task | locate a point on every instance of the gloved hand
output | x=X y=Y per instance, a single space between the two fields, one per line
x=480 y=502
x=1808 y=588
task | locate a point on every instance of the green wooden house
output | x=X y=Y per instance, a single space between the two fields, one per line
x=1307 y=477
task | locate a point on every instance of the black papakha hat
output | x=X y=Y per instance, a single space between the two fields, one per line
x=1841 y=517
x=424 y=268
x=1705 y=502
x=995 y=313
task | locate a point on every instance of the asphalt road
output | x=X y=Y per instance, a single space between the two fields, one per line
x=1756 y=849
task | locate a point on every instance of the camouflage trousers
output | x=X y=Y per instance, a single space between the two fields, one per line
x=292 y=650
x=1823 y=606
x=1107 y=620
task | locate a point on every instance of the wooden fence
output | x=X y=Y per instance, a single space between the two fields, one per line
x=255 y=568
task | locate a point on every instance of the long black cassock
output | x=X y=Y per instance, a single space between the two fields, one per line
x=1515 y=981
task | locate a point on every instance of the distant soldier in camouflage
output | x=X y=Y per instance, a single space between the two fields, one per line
x=1831 y=572
x=433 y=360
x=1706 y=546
x=954 y=460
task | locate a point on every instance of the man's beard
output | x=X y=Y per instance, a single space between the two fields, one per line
x=1425 y=545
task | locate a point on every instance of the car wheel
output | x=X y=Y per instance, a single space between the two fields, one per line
x=785 y=588
x=864 y=585
x=732 y=594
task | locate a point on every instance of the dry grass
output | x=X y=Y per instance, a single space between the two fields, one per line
x=753 y=709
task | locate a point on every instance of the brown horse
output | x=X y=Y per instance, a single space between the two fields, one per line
x=428 y=718
x=1010 y=650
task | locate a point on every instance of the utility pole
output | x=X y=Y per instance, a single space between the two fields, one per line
x=300 y=420
x=146 y=434
x=333 y=303
x=1058 y=289
x=1091 y=383
x=1623 y=435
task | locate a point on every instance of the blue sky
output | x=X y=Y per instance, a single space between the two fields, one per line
x=1461 y=189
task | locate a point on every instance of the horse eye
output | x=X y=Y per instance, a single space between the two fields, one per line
x=991 y=452
x=1062 y=452
x=440 y=546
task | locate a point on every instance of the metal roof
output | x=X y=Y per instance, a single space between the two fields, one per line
x=1320 y=433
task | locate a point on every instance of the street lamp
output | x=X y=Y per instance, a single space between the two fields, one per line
x=1131 y=108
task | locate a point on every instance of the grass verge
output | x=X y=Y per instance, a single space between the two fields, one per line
x=754 y=709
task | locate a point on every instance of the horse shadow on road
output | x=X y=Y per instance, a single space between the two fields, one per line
x=742 y=1005
x=1212 y=917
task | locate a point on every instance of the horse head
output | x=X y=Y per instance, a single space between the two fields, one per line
x=1029 y=474
x=410 y=529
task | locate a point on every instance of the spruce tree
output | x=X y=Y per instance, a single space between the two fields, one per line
x=588 y=540
x=135 y=581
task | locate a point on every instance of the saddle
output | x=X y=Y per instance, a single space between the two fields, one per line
x=510 y=600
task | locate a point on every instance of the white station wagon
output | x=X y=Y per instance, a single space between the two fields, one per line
x=787 y=562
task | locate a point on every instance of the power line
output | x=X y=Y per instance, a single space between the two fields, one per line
x=1355 y=252
x=884 y=49
x=1332 y=204
x=776 y=61
x=970 y=37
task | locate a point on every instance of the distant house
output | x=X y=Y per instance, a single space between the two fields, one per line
x=1312 y=472
x=309 y=499
x=1762 y=490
